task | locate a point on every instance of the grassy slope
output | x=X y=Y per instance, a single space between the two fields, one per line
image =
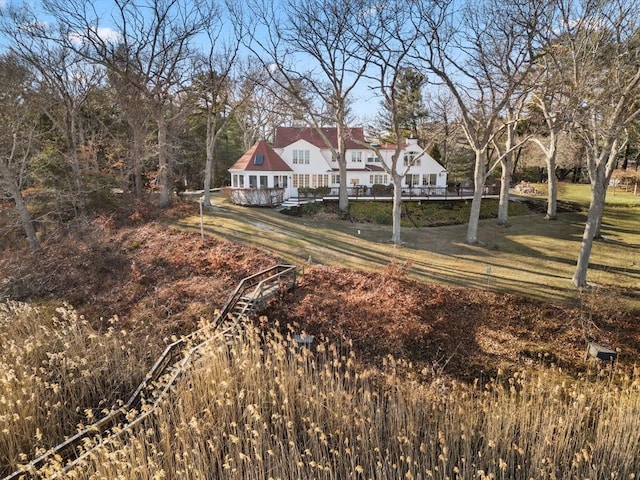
x=533 y=256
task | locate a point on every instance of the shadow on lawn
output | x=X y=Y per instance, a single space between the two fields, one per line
x=470 y=344
x=301 y=244
x=542 y=269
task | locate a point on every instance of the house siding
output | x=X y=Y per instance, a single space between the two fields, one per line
x=318 y=168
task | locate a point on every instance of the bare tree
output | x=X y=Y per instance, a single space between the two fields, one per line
x=506 y=151
x=442 y=130
x=388 y=48
x=18 y=123
x=261 y=114
x=552 y=99
x=134 y=110
x=602 y=46
x=68 y=82
x=220 y=92
x=310 y=52
x=481 y=53
x=157 y=38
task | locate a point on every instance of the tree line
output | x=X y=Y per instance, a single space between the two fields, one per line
x=143 y=95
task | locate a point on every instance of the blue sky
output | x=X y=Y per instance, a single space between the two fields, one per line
x=365 y=104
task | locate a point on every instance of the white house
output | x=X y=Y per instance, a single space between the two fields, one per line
x=260 y=177
x=300 y=161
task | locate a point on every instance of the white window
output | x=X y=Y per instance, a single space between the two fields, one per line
x=335 y=179
x=301 y=180
x=280 y=181
x=411 y=158
x=411 y=180
x=234 y=180
x=264 y=182
x=253 y=181
x=429 y=179
x=301 y=157
x=372 y=158
x=319 y=180
x=378 y=179
x=240 y=181
x=356 y=157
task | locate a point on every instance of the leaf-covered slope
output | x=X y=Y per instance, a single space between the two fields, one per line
x=166 y=280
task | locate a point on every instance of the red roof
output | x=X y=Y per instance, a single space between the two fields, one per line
x=261 y=157
x=288 y=135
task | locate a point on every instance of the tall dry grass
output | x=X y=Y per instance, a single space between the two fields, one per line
x=56 y=373
x=265 y=408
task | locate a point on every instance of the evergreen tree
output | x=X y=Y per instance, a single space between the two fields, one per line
x=412 y=112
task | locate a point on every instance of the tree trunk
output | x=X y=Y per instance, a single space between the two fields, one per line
x=397 y=209
x=21 y=208
x=343 y=196
x=505 y=177
x=597 y=232
x=73 y=140
x=208 y=168
x=505 y=183
x=597 y=229
x=552 y=181
x=596 y=210
x=163 y=161
x=474 y=214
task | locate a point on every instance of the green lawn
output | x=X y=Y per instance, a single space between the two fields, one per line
x=532 y=256
x=579 y=194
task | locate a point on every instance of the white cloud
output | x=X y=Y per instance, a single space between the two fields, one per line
x=104 y=34
x=109 y=35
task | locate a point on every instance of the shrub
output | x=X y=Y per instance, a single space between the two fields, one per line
x=314 y=192
x=379 y=190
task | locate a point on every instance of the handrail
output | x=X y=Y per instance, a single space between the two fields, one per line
x=249 y=282
x=168 y=359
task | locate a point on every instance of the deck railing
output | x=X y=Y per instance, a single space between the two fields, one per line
x=417 y=192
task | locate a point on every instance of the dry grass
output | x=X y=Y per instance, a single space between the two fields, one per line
x=57 y=372
x=267 y=409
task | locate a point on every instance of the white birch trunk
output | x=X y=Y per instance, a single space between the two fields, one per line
x=474 y=214
x=397 y=209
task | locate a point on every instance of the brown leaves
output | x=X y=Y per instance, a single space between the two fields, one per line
x=471 y=331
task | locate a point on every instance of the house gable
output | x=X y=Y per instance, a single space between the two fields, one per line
x=303 y=156
x=261 y=158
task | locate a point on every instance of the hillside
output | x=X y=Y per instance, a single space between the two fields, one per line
x=161 y=282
